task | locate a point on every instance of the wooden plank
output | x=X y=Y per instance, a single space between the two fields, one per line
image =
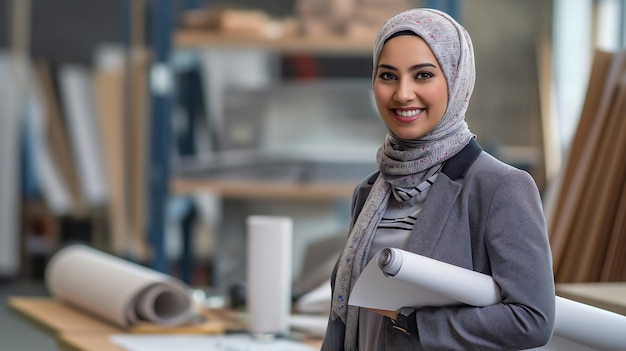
x=108 y=87
x=137 y=140
x=136 y=131
x=615 y=261
x=563 y=243
x=591 y=228
x=611 y=176
x=559 y=216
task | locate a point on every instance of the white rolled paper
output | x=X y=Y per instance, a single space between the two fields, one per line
x=440 y=277
x=590 y=326
x=269 y=274
x=397 y=278
x=116 y=290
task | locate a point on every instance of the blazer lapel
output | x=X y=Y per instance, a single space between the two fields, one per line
x=432 y=217
x=440 y=201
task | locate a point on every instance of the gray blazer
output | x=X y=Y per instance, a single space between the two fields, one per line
x=486 y=216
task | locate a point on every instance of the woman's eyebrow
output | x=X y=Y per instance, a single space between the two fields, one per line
x=412 y=68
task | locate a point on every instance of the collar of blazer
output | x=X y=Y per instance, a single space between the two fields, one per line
x=456 y=167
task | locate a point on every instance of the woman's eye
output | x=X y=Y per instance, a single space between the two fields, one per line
x=387 y=76
x=424 y=75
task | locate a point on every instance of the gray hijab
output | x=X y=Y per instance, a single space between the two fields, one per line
x=452 y=47
x=403 y=162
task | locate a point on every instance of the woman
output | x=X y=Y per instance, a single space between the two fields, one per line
x=438 y=194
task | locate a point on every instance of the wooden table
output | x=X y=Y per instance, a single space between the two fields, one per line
x=610 y=296
x=56 y=318
x=75 y=330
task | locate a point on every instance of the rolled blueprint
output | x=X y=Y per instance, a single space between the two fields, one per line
x=397 y=278
x=116 y=290
x=269 y=274
x=590 y=326
x=443 y=278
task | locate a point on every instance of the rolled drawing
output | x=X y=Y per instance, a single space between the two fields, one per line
x=590 y=326
x=443 y=278
x=116 y=290
x=396 y=278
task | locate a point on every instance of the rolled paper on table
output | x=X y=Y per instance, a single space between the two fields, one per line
x=119 y=291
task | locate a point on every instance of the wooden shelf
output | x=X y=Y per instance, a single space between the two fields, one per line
x=336 y=45
x=265 y=189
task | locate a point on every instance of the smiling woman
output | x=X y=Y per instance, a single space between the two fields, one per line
x=439 y=195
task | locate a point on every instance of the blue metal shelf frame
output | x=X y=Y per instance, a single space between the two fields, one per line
x=161 y=15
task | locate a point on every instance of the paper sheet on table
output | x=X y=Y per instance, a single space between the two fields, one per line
x=414 y=280
x=117 y=290
x=204 y=343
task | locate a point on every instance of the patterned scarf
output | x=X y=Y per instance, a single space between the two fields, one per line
x=403 y=163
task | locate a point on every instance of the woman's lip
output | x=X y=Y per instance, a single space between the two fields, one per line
x=407 y=108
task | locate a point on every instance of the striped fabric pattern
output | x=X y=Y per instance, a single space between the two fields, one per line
x=398 y=219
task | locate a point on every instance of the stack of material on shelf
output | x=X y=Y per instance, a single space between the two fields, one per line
x=587 y=223
x=354 y=18
x=314 y=18
x=236 y=20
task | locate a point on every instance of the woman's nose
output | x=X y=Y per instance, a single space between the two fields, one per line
x=404 y=91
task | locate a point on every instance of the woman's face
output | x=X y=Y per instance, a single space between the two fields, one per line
x=410 y=89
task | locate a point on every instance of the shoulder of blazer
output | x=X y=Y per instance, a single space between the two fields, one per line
x=456 y=167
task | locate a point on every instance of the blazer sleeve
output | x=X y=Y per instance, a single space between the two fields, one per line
x=519 y=259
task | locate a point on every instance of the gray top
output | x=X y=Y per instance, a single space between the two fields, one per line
x=393 y=231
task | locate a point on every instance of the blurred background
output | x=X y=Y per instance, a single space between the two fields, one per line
x=151 y=129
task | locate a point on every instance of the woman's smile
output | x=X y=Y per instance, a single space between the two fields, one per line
x=407 y=115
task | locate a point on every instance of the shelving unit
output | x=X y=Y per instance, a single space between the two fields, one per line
x=236 y=191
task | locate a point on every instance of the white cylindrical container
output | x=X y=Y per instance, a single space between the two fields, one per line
x=269 y=274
